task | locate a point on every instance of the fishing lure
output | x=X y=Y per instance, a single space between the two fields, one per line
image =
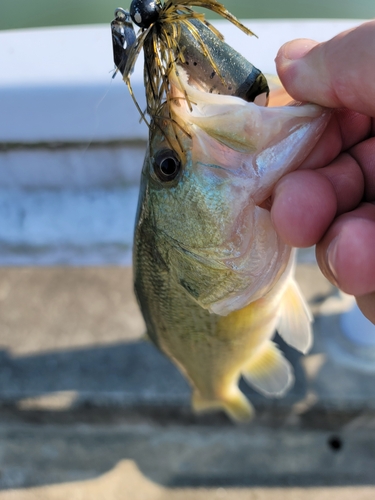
x=172 y=34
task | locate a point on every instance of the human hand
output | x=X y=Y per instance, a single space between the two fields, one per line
x=330 y=201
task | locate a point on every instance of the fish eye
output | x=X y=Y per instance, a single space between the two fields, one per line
x=167 y=165
x=145 y=12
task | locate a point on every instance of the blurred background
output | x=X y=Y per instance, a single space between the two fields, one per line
x=26 y=14
x=89 y=410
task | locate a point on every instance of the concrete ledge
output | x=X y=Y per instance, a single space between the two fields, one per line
x=188 y=457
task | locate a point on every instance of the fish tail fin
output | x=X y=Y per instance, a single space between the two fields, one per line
x=268 y=371
x=235 y=404
x=295 y=319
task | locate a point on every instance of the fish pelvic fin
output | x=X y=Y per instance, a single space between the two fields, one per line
x=295 y=319
x=236 y=405
x=269 y=372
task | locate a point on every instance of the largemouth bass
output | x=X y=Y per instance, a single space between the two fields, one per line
x=212 y=278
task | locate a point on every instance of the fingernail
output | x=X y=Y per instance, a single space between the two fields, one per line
x=331 y=258
x=296 y=49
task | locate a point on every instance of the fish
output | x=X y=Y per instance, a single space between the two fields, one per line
x=213 y=279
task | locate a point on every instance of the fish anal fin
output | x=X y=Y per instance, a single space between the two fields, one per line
x=269 y=372
x=295 y=319
x=235 y=404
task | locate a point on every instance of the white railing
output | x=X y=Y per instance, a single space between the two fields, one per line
x=71 y=146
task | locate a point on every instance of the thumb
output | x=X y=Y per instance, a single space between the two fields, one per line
x=337 y=73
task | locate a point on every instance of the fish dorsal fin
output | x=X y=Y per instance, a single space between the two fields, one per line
x=295 y=319
x=269 y=372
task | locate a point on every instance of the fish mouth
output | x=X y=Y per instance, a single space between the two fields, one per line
x=243 y=139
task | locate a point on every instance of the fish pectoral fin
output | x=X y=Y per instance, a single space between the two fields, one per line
x=269 y=372
x=295 y=319
x=235 y=404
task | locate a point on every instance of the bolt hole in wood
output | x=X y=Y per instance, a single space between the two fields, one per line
x=335 y=443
